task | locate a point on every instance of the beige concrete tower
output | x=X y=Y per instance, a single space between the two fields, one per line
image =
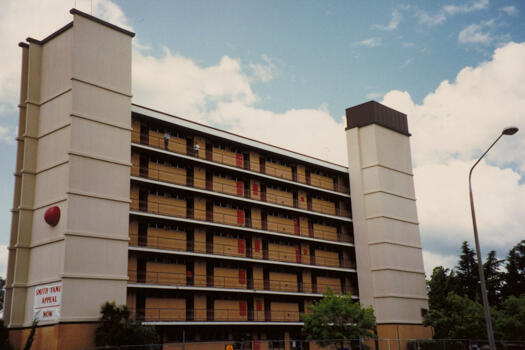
x=74 y=154
x=388 y=249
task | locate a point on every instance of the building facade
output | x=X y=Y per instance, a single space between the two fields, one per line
x=208 y=235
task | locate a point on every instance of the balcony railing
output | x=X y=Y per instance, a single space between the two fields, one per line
x=227 y=282
x=236 y=161
x=183 y=314
x=231 y=250
x=238 y=219
x=236 y=190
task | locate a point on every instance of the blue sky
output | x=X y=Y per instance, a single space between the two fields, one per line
x=261 y=68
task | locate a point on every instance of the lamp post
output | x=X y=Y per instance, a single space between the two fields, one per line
x=490 y=332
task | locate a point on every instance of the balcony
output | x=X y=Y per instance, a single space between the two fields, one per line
x=255 y=253
x=237 y=160
x=174 y=176
x=178 y=208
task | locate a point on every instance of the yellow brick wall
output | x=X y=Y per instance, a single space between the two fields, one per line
x=303 y=226
x=323 y=206
x=278 y=170
x=326 y=258
x=167 y=309
x=256 y=218
x=279 y=224
x=171 y=274
x=199 y=208
x=279 y=252
x=199 y=305
x=325 y=232
x=305 y=253
x=135 y=164
x=156 y=139
x=132 y=268
x=307 y=282
x=323 y=283
x=135 y=135
x=176 y=144
x=254 y=162
x=302 y=201
x=134 y=195
x=199 y=271
x=258 y=278
x=167 y=173
x=199 y=177
x=225 y=215
x=227 y=278
x=224 y=156
x=228 y=310
x=199 y=238
x=284 y=311
x=279 y=197
x=258 y=314
x=283 y=281
x=166 y=239
x=166 y=205
x=227 y=246
x=321 y=181
x=301 y=173
x=133 y=232
x=223 y=185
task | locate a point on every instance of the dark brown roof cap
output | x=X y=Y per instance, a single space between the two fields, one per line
x=372 y=112
x=98 y=20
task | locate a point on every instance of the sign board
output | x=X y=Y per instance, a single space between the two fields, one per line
x=46 y=305
x=229 y=347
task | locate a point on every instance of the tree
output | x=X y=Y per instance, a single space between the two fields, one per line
x=514 y=277
x=509 y=322
x=4 y=337
x=441 y=282
x=335 y=319
x=467 y=273
x=2 y=293
x=458 y=318
x=116 y=328
x=494 y=278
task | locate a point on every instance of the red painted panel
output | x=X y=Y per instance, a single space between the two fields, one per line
x=257 y=245
x=239 y=159
x=255 y=189
x=242 y=276
x=296 y=226
x=242 y=308
x=240 y=188
x=298 y=253
x=259 y=305
x=305 y=252
x=240 y=217
x=189 y=274
x=256 y=345
x=241 y=246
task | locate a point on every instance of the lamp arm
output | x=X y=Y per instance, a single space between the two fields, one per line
x=479 y=159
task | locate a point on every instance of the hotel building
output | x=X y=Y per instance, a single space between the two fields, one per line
x=208 y=235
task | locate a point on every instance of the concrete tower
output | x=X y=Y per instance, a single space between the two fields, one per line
x=74 y=155
x=388 y=250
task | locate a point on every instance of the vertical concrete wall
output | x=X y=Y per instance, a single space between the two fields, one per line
x=388 y=249
x=74 y=153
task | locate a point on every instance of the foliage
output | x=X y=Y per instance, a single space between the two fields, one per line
x=515 y=275
x=458 y=318
x=2 y=293
x=116 y=328
x=467 y=273
x=4 y=337
x=509 y=322
x=493 y=277
x=336 y=318
x=429 y=344
x=441 y=282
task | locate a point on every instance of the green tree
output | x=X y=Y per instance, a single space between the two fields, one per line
x=2 y=293
x=4 y=337
x=493 y=277
x=336 y=318
x=458 y=318
x=467 y=273
x=509 y=320
x=116 y=328
x=514 y=277
x=441 y=282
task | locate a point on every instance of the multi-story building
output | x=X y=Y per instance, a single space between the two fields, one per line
x=208 y=235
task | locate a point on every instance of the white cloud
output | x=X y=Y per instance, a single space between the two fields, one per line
x=475 y=6
x=394 y=22
x=431 y=20
x=451 y=128
x=473 y=34
x=370 y=43
x=263 y=71
x=408 y=44
x=374 y=95
x=510 y=10
x=432 y=260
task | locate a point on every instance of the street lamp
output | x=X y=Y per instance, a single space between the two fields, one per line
x=492 y=344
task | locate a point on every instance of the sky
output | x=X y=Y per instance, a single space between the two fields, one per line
x=283 y=72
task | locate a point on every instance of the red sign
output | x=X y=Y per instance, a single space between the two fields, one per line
x=239 y=160
x=257 y=245
x=240 y=246
x=240 y=188
x=242 y=276
x=242 y=308
x=255 y=189
x=240 y=217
